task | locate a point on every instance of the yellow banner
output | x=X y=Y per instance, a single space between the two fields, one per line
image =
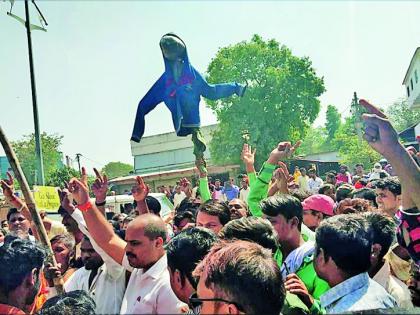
x=46 y=198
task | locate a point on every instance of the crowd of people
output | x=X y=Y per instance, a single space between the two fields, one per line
x=278 y=243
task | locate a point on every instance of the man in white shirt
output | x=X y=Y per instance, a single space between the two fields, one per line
x=244 y=192
x=314 y=182
x=179 y=196
x=149 y=290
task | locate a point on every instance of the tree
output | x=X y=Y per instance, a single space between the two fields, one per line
x=117 y=169
x=315 y=141
x=401 y=116
x=52 y=157
x=351 y=148
x=280 y=103
x=333 y=121
x=62 y=175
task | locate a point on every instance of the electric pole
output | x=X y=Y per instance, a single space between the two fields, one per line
x=78 y=155
x=357 y=112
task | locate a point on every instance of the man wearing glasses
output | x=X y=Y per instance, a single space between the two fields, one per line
x=239 y=277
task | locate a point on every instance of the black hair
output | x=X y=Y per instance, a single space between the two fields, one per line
x=340 y=237
x=253 y=229
x=76 y=302
x=383 y=229
x=10 y=212
x=183 y=215
x=285 y=205
x=18 y=257
x=153 y=204
x=216 y=208
x=343 y=192
x=115 y=224
x=187 y=249
x=358 y=164
x=187 y=204
x=367 y=194
x=322 y=190
x=390 y=183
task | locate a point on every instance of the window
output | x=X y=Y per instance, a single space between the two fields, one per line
x=408 y=91
x=411 y=83
x=415 y=76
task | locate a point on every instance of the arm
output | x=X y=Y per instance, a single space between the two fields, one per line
x=216 y=91
x=203 y=182
x=98 y=226
x=383 y=138
x=140 y=192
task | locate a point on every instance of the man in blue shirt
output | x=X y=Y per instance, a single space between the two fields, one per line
x=231 y=191
x=342 y=258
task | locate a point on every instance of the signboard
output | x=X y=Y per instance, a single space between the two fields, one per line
x=46 y=198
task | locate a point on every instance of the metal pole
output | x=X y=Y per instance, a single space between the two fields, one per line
x=38 y=145
x=78 y=162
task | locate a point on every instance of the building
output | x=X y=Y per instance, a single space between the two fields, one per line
x=412 y=81
x=165 y=158
x=410 y=136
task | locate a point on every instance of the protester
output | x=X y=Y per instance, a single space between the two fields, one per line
x=244 y=191
x=286 y=215
x=359 y=170
x=142 y=253
x=238 y=209
x=328 y=190
x=330 y=178
x=388 y=195
x=3 y=234
x=213 y=215
x=183 y=220
x=239 y=277
x=315 y=209
x=344 y=175
x=342 y=258
x=383 y=229
x=355 y=205
x=64 y=249
x=4 y=225
x=218 y=191
x=366 y=193
x=21 y=263
x=178 y=196
x=230 y=190
x=75 y=302
x=184 y=252
x=303 y=180
x=344 y=191
x=314 y=182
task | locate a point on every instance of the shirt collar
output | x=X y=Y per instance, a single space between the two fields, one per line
x=382 y=276
x=344 y=288
x=156 y=270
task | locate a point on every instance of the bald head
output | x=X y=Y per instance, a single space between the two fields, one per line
x=151 y=225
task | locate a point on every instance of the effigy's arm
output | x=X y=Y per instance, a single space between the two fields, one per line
x=152 y=98
x=217 y=91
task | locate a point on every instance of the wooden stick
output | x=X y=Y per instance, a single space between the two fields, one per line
x=30 y=202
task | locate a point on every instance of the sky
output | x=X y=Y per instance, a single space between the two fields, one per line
x=99 y=58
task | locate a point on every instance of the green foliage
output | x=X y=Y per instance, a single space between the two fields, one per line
x=52 y=157
x=62 y=175
x=315 y=141
x=333 y=121
x=281 y=101
x=351 y=148
x=117 y=169
x=401 y=116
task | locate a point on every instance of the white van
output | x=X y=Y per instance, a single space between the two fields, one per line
x=117 y=203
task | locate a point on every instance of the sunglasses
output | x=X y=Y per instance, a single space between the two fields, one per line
x=196 y=302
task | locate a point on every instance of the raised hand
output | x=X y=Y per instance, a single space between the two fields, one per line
x=248 y=157
x=79 y=188
x=66 y=200
x=100 y=186
x=283 y=151
x=379 y=133
x=140 y=190
x=295 y=285
x=7 y=185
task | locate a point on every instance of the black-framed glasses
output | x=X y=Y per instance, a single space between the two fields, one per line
x=198 y=302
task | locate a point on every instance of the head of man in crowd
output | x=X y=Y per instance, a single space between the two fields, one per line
x=145 y=237
x=68 y=222
x=217 y=183
x=17 y=222
x=312 y=173
x=328 y=190
x=239 y=277
x=359 y=169
x=303 y=171
x=184 y=252
x=253 y=229
x=344 y=169
x=337 y=240
x=245 y=182
x=91 y=259
x=383 y=163
x=355 y=205
x=182 y=219
x=285 y=213
x=330 y=179
x=367 y=194
x=21 y=263
x=4 y=224
x=76 y=302
x=238 y=208
x=383 y=229
x=316 y=208
x=213 y=215
x=343 y=192
x=388 y=195
x=63 y=246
